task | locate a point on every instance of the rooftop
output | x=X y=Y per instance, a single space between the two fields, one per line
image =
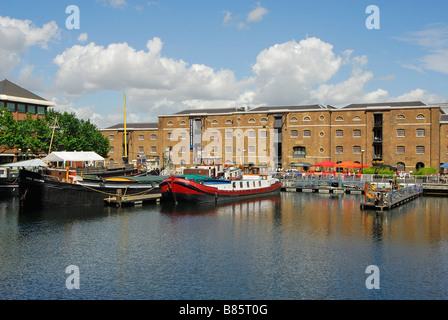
x=9 y=90
x=133 y=126
x=386 y=105
x=289 y=108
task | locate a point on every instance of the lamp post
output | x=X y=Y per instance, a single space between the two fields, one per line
x=339 y=169
x=362 y=162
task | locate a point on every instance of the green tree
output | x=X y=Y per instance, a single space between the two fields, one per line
x=8 y=127
x=76 y=135
x=34 y=135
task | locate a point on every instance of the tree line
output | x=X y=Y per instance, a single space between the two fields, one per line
x=34 y=134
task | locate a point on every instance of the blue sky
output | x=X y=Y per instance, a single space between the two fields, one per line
x=173 y=55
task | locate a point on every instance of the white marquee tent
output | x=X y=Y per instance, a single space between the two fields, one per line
x=75 y=159
x=26 y=164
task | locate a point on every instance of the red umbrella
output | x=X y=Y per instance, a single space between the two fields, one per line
x=325 y=163
x=348 y=164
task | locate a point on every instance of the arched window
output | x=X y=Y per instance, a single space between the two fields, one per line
x=356 y=118
x=228 y=121
x=339 y=119
x=214 y=122
x=183 y=123
x=170 y=123
x=251 y=120
x=421 y=117
x=401 y=166
x=294 y=119
x=401 y=117
x=264 y=120
x=306 y=118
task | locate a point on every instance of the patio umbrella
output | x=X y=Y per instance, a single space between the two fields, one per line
x=348 y=164
x=325 y=163
x=445 y=165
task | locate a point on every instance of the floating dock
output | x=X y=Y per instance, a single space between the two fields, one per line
x=323 y=189
x=121 y=200
x=381 y=200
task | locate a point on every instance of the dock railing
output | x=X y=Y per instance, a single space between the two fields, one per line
x=314 y=181
x=357 y=182
x=396 y=195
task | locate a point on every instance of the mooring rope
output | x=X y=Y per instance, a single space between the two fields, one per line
x=114 y=194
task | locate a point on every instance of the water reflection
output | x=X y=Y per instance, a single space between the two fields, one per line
x=290 y=246
x=247 y=206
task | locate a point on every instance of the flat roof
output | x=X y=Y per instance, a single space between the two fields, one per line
x=386 y=105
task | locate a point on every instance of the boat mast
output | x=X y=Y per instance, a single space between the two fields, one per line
x=125 y=135
x=52 y=133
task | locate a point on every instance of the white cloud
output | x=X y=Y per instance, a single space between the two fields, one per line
x=254 y=16
x=437 y=60
x=433 y=39
x=227 y=17
x=114 y=3
x=257 y=14
x=19 y=35
x=285 y=73
x=421 y=95
x=83 y=37
x=151 y=81
x=16 y=36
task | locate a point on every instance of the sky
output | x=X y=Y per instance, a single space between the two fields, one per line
x=172 y=55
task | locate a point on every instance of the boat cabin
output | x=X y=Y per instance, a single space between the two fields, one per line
x=255 y=172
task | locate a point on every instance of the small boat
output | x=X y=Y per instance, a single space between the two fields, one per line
x=254 y=182
x=9 y=176
x=9 y=185
x=63 y=188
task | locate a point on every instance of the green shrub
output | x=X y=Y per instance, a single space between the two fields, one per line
x=424 y=171
x=381 y=171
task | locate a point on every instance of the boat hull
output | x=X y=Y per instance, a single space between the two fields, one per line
x=8 y=189
x=180 y=190
x=38 y=190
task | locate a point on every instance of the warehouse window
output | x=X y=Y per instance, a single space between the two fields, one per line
x=420 y=150
x=299 y=152
x=400 y=133
x=420 y=132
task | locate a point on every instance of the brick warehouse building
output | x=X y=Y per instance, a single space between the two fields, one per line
x=19 y=102
x=407 y=135
x=403 y=134
x=143 y=142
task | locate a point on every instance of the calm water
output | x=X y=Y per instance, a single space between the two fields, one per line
x=294 y=246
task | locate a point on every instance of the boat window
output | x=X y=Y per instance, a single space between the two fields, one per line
x=255 y=170
x=241 y=184
x=248 y=184
x=259 y=183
